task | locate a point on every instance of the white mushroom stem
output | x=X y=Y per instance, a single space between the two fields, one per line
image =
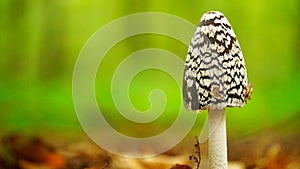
x=217 y=141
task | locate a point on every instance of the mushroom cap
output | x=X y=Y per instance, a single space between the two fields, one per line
x=214 y=73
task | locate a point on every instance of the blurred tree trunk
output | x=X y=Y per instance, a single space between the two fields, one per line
x=52 y=52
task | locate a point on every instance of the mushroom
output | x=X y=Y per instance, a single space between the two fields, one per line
x=214 y=78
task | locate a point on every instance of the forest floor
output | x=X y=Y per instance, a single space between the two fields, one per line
x=276 y=148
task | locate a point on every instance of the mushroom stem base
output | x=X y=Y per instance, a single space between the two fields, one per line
x=217 y=142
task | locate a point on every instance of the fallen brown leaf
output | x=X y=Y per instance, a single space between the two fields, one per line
x=33 y=150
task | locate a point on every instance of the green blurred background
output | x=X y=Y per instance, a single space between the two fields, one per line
x=40 y=41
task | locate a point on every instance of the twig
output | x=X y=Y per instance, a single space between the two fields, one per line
x=106 y=164
x=196 y=156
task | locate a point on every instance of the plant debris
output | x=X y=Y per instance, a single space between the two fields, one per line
x=32 y=150
x=196 y=157
x=181 y=166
